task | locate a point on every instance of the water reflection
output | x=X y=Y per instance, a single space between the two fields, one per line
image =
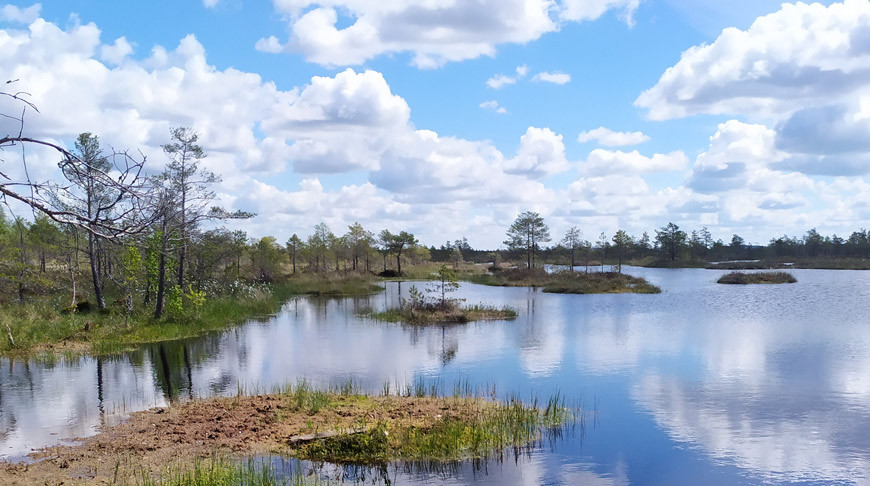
x=704 y=382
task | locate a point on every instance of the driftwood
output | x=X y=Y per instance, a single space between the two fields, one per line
x=306 y=438
x=9 y=333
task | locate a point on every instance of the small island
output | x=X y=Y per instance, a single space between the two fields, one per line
x=207 y=441
x=421 y=308
x=745 y=278
x=567 y=282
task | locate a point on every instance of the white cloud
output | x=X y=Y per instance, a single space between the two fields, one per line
x=541 y=153
x=578 y=10
x=803 y=70
x=609 y=138
x=522 y=71
x=11 y=13
x=210 y=3
x=601 y=162
x=269 y=44
x=347 y=123
x=797 y=57
x=117 y=52
x=394 y=172
x=554 y=77
x=434 y=32
x=493 y=105
x=500 y=80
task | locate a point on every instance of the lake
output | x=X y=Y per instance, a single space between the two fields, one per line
x=704 y=383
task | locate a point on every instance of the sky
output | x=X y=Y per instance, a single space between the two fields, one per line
x=448 y=118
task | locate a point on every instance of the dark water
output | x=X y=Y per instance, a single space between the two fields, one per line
x=703 y=384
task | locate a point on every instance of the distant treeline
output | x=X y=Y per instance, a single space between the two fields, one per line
x=668 y=244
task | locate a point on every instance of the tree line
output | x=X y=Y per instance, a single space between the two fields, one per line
x=670 y=244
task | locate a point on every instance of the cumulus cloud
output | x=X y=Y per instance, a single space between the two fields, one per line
x=541 y=153
x=394 y=173
x=493 y=105
x=433 y=32
x=602 y=161
x=609 y=138
x=26 y=15
x=803 y=70
x=349 y=123
x=554 y=77
x=501 y=80
x=799 y=56
x=578 y=10
x=117 y=52
x=269 y=44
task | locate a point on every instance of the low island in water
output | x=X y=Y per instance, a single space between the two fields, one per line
x=568 y=282
x=745 y=278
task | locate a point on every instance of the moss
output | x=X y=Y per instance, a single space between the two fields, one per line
x=741 y=278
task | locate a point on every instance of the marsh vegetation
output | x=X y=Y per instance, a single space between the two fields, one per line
x=566 y=282
x=744 y=278
x=178 y=445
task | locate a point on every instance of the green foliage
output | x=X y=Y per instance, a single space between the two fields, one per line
x=671 y=240
x=478 y=430
x=196 y=298
x=445 y=284
x=526 y=234
x=175 y=302
x=266 y=256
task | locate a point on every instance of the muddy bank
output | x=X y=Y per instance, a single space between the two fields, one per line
x=301 y=423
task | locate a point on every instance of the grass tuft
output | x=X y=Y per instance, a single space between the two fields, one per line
x=742 y=278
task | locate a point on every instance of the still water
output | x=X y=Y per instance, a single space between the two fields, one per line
x=704 y=383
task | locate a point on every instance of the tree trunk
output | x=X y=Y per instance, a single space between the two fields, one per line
x=619 y=266
x=399 y=263
x=95 y=275
x=182 y=257
x=161 y=273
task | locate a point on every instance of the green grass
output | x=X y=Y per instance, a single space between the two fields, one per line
x=331 y=285
x=42 y=326
x=569 y=282
x=454 y=315
x=741 y=278
x=224 y=472
x=429 y=271
x=484 y=429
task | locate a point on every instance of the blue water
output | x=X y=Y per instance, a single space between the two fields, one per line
x=704 y=383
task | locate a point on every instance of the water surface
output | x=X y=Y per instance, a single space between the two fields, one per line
x=704 y=383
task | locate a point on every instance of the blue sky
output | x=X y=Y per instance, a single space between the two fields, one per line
x=401 y=129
